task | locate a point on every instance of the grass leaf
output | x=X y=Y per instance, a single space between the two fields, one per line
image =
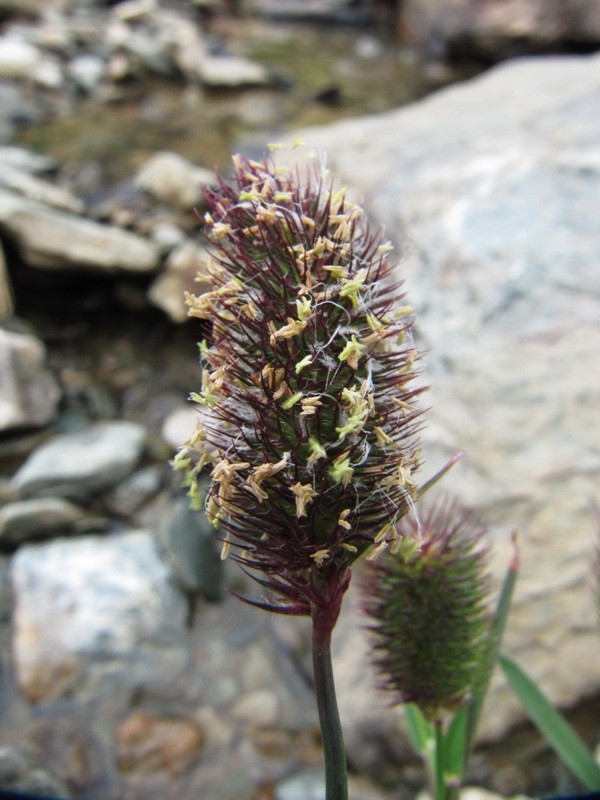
x=553 y=726
x=492 y=651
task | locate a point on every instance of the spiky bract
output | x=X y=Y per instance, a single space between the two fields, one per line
x=307 y=414
x=428 y=606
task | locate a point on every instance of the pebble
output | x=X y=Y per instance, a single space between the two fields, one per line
x=179 y=275
x=76 y=465
x=173 y=180
x=190 y=546
x=17 y=57
x=87 y=71
x=29 y=520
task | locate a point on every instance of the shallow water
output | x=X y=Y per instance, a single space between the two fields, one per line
x=320 y=74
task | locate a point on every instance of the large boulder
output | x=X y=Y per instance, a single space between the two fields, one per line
x=95 y=609
x=491 y=189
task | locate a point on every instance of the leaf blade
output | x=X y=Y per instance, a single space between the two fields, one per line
x=553 y=726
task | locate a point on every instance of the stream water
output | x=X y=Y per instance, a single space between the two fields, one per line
x=319 y=74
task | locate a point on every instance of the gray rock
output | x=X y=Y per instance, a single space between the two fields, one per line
x=48 y=73
x=174 y=180
x=231 y=71
x=150 y=38
x=20 y=7
x=18 y=158
x=491 y=187
x=17 y=775
x=29 y=394
x=136 y=491
x=495 y=29
x=179 y=425
x=79 y=464
x=39 y=190
x=190 y=545
x=304 y=786
x=53 y=239
x=95 y=609
x=28 y=520
x=167 y=236
x=180 y=274
x=87 y=71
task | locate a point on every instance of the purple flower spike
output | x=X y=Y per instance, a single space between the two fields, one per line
x=307 y=412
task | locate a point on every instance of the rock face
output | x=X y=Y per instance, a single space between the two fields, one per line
x=94 y=608
x=490 y=189
x=493 y=29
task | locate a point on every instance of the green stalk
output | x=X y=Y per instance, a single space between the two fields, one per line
x=440 y=784
x=336 y=771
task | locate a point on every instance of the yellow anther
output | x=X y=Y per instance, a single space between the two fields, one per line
x=221 y=229
x=317 y=451
x=256 y=489
x=377 y=551
x=382 y=437
x=304 y=495
x=337 y=199
x=268 y=214
x=320 y=557
x=293 y=328
x=383 y=533
x=291 y=401
x=404 y=311
x=373 y=322
x=353 y=286
x=342 y=520
x=306 y=361
x=304 y=308
x=337 y=270
x=224 y=471
x=341 y=471
x=268 y=375
x=352 y=352
x=309 y=406
x=354 y=424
